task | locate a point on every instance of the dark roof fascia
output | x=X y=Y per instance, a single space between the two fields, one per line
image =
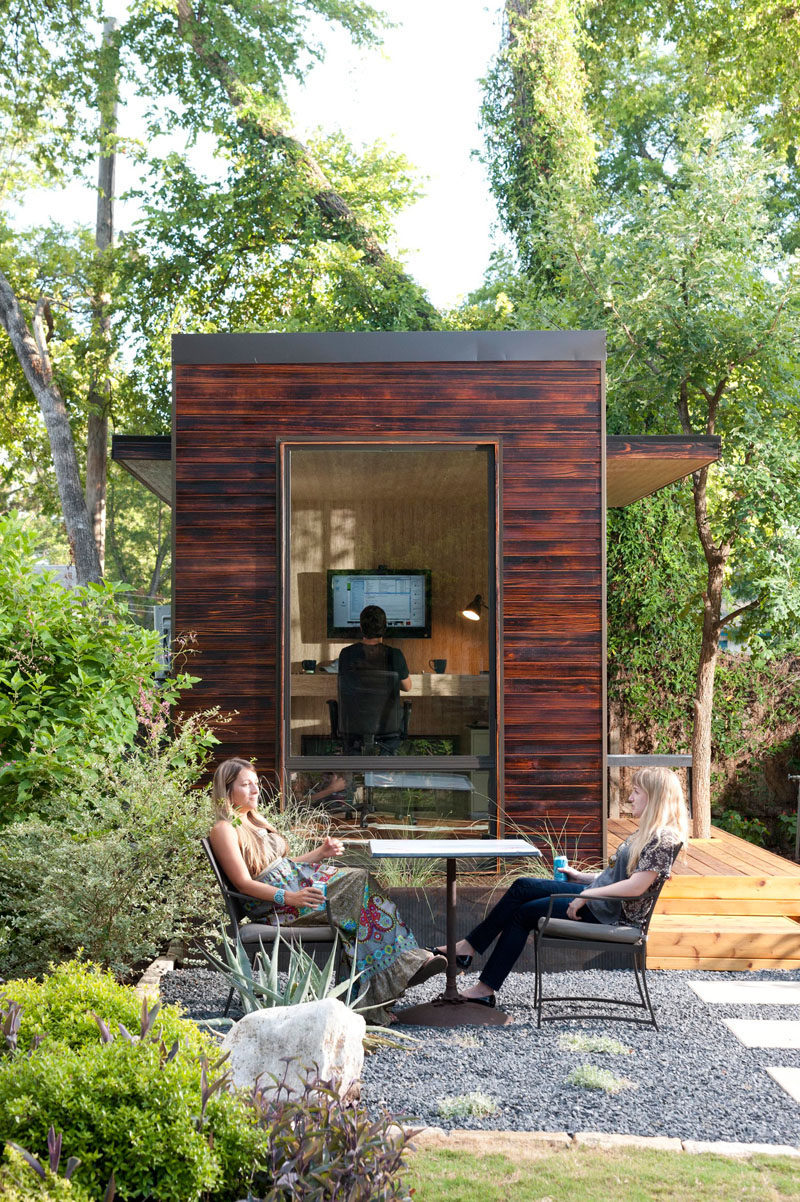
x=141 y=446
x=422 y=346
x=664 y=446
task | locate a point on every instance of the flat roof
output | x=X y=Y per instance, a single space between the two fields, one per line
x=423 y=346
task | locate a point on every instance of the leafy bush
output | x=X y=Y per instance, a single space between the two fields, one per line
x=321 y=1149
x=751 y=829
x=19 y=1183
x=61 y=1006
x=72 y=667
x=127 y=1107
x=118 y=868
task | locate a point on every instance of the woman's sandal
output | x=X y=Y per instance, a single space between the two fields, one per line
x=436 y=964
x=462 y=962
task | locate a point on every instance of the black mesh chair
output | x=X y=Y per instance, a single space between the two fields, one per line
x=369 y=718
x=587 y=945
x=315 y=940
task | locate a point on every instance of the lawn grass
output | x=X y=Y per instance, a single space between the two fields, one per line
x=591 y=1175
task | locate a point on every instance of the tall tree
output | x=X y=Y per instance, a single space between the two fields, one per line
x=217 y=71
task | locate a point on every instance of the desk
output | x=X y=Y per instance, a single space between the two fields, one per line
x=425 y=684
x=450 y=1009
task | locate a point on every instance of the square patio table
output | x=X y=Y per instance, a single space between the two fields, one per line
x=450 y=1009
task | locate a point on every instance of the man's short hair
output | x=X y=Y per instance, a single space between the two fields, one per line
x=373 y=622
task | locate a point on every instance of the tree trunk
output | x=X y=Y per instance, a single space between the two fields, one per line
x=99 y=398
x=31 y=351
x=704 y=700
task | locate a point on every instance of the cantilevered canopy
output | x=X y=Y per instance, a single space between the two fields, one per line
x=640 y=465
x=635 y=467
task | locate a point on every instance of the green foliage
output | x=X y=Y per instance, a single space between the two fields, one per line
x=260 y=987
x=587 y=1076
x=467 y=1105
x=125 y=1106
x=116 y=866
x=61 y=1005
x=533 y=116
x=20 y=1183
x=321 y=1149
x=73 y=668
x=751 y=829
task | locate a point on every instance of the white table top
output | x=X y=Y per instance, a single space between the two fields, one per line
x=449 y=849
x=418 y=780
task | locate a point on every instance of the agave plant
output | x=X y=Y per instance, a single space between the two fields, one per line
x=259 y=986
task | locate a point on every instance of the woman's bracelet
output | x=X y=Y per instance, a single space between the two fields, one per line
x=280 y=897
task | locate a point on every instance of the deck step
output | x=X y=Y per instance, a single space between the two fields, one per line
x=732 y=942
x=775 y=895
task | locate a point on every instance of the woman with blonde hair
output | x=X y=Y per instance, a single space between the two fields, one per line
x=620 y=893
x=255 y=858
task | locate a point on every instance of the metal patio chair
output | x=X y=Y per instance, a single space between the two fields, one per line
x=578 y=946
x=250 y=935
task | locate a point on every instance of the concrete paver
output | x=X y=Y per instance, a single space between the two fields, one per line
x=738 y=993
x=765 y=1032
x=787 y=1078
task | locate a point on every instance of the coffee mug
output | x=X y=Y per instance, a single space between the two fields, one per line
x=309 y=665
x=438 y=665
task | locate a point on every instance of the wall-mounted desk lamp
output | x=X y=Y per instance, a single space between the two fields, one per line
x=473 y=610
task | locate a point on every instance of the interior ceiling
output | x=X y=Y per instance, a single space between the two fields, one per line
x=635 y=469
x=387 y=476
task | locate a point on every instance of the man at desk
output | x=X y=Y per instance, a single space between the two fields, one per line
x=371 y=677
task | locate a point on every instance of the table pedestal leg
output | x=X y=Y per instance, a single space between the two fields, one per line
x=450 y=1009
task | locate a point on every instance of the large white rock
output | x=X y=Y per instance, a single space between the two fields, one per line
x=324 y=1034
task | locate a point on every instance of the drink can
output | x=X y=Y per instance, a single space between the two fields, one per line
x=559 y=864
x=323 y=888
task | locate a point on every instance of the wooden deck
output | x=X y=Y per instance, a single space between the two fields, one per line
x=729 y=905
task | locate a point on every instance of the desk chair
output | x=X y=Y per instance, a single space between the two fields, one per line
x=369 y=717
x=251 y=934
x=579 y=945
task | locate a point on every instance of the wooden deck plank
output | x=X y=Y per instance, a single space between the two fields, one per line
x=719 y=963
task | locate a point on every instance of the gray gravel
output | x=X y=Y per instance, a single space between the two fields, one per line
x=691 y=1079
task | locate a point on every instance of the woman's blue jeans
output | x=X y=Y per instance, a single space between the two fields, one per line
x=511 y=921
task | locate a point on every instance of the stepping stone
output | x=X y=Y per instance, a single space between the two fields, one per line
x=788 y=1079
x=748 y=993
x=764 y=1032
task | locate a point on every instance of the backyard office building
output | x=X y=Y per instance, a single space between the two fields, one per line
x=459 y=480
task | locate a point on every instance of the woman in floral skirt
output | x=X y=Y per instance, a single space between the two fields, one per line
x=255 y=858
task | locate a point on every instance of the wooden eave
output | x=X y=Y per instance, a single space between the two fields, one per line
x=635 y=466
x=639 y=465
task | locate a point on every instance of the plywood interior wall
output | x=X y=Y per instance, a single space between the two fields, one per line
x=404 y=509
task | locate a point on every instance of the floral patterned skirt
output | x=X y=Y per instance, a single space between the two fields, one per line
x=386 y=953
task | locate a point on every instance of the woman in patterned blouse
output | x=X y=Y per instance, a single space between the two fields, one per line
x=617 y=894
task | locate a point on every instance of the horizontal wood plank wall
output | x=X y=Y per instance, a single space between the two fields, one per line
x=548 y=416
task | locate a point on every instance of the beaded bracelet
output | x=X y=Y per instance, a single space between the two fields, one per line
x=280 y=897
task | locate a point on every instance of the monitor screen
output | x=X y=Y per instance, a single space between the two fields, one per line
x=405 y=598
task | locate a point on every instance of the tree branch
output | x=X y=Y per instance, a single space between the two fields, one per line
x=737 y=613
x=347 y=226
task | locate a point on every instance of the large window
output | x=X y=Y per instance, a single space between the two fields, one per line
x=411 y=531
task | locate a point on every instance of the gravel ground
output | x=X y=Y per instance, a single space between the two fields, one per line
x=691 y=1079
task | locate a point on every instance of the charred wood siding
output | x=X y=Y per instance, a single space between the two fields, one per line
x=549 y=419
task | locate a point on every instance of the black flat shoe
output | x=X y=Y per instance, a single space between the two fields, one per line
x=490 y=1001
x=462 y=962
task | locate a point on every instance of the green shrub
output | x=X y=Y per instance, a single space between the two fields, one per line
x=73 y=667
x=118 y=869
x=124 y=1106
x=60 y=1008
x=19 y=1183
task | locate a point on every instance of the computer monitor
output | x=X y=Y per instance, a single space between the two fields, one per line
x=405 y=598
